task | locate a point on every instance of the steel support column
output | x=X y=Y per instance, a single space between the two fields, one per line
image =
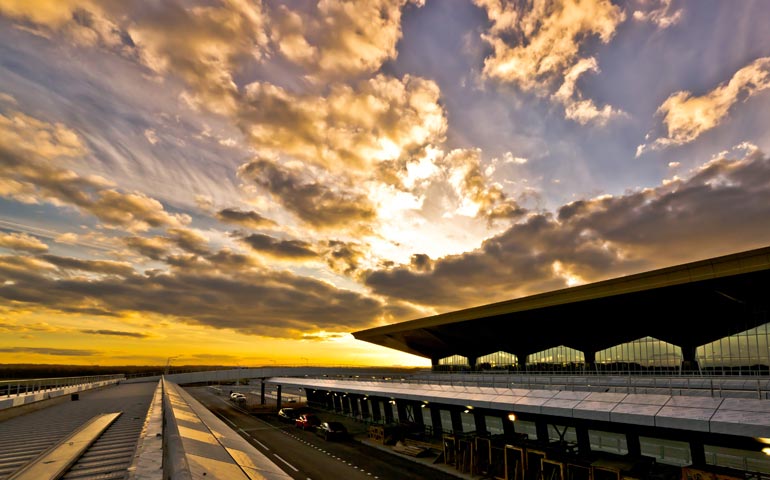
x=435 y=420
x=457 y=420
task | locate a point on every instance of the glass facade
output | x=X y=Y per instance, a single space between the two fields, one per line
x=454 y=362
x=745 y=352
x=497 y=361
x=645 y=354
x=559 y=358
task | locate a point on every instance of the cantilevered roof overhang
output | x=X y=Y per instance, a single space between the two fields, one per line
x=687 y=305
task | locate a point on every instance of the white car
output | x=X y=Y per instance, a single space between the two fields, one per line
x=238 y=397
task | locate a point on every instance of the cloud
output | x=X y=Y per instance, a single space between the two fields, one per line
x=663 y=16
x=280 y=249
x=106 y=267
x=31 y=148
x=537 y=44
x=116 y=333
x=350 y=129
x=57 y=352
x=22 y=242
x=719 y=208
x=151 y=247
x=315 y=203
x=248 y=219
x=339 y=38
x=687 y=117
x=189 y=240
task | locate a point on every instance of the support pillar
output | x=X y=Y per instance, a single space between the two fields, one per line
x=584 y=441
x=689 y=362
x=633 y=444
x=541 y=427
x=278 y=397
x=417 y=413
x=435 y=420
x=472 y=362
x=434 y=363
x=521 y=357
x=509 y=427
x=457 y=420
x=261 y=391
x=336 y=404
x=354 y=409
x=388 y=407
x=697 y=453
x=480 y=422
x=364 y=408
x=403 y=415
x=590 y=364
x=376 y=414
x=344 y=404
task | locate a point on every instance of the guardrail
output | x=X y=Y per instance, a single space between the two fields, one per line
x=16 y=388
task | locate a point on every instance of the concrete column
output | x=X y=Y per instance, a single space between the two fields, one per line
x=434 y=363
x=480 y=421
x=344 y=404
x=336 y=404
x=697 y=452
x=261 y=391
x=472 y=362
x=403 y=415
x=435 y=420
x=541 y=426
x=388 y=407
x=689 y=362
x=522 y=358
x=590 y=364
x=278 y=397
x=417 y=413
x=584 y=441
x=509 y=427
x=633 y=444
x=354 y=409
x=364 y=408
x=375 y=403
x=457 y=420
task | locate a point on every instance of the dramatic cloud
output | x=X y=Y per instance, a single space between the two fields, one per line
x=22 y=242
x=719 y=209
x=116 y=333
x=547 y=39
x=281 y=249
x=249 y=300
x=339 y=38
x=663 y=16
x=687 y=117
x=246 y=219
x=154 y=248
x=106 y=267
x=29 y=151
x=315 y=203
x=57 y=352
x=350 y=128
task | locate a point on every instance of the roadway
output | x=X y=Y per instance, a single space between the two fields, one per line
x=305 y=456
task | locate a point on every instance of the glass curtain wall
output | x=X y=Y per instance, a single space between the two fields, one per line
x=746 y=352
x=453 y=363
x=644 y=355
x=556 y=359
x=497 y=361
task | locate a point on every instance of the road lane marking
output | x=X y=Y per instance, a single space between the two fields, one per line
x=260 y=444
x=287 y=463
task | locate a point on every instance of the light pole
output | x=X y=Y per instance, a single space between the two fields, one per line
x=168 y=363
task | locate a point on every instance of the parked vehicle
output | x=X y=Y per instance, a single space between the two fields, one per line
x=289 y=415
x=307 y=421
x=332 y=430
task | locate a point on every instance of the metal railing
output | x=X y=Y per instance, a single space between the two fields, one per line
x=16 y=388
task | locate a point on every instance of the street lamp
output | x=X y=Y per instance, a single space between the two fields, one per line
x=168 y=363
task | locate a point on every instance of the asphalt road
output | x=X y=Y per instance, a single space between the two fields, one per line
x=305 y=456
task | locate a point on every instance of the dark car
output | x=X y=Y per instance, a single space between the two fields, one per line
x=307 y=421
x=288 y=415
x=332 y=430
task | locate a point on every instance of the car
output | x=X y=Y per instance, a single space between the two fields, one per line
x=332 y=430
x=288 y=415
x=238 y=397
x=307 y=421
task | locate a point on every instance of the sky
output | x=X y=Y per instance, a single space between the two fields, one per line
x=246 y=182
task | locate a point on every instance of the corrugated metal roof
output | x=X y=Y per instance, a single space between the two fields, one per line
x=25 y=437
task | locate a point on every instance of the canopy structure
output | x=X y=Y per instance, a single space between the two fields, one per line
x=686 y=305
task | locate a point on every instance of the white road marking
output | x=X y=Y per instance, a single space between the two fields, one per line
x=287 y=463
x=261 y=444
